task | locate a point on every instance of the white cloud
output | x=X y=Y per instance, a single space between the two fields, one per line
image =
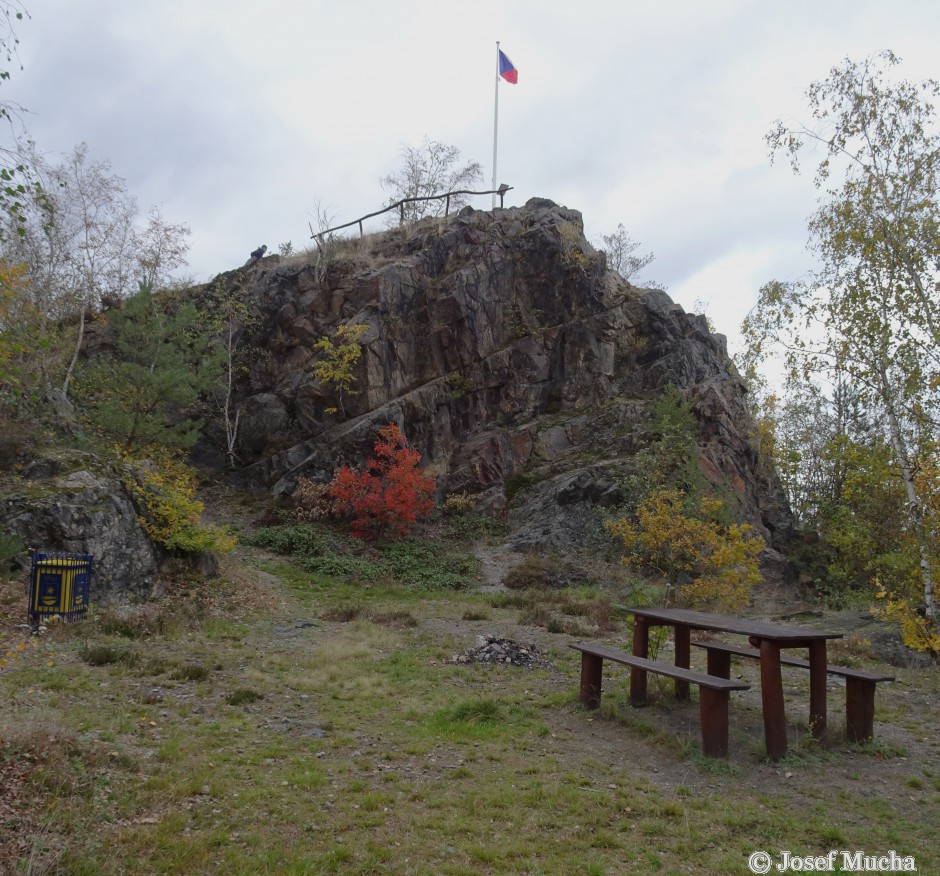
x=237 y=116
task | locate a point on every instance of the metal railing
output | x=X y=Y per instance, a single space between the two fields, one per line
x=400 y=205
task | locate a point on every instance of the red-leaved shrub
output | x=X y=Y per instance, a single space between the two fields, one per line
x=390 y=495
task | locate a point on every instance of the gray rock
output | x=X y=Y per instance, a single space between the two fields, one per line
x=75 y=502
x=87 y=512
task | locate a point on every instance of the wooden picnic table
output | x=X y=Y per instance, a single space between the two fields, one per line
x=768 y=638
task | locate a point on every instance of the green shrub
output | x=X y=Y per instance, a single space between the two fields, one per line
x=413 y=563
x=105 y=655
x=518 y=483
x=191 y=672
x=428 y=567
x=340 y=566
x=298 y=538
x=457 y=386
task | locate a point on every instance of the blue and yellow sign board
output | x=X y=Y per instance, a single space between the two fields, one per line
x=59 y=585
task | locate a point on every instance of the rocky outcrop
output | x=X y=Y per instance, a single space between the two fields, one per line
x=66 y=503
x=523 y=369
x=71 y=501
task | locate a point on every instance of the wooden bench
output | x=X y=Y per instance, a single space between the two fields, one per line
x=859 y=685
x=713 y=700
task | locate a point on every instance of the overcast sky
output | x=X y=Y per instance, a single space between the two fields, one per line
x=238 y=117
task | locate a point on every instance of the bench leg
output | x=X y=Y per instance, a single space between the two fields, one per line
x=641 y=648
x=713 y=715
x=592 y=668
x=683 y=657
x=859 y=709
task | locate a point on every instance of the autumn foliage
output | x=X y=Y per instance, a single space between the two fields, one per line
x=709 y=564
x=390 y=495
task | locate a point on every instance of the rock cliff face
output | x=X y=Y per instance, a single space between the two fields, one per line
x=522 y=368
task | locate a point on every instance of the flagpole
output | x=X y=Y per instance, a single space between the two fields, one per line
x=495 y=121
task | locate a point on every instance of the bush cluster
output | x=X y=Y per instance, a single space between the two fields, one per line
x=390 y=495
x=166 y=490
x=311 y=501
x=416 y=564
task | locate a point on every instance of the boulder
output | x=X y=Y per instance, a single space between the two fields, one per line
x=84 y=511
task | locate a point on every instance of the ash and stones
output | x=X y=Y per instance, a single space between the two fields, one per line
x=493 y=649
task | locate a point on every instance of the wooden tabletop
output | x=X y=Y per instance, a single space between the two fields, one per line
x=700 y=620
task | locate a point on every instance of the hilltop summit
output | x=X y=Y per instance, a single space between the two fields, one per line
x=522 y=367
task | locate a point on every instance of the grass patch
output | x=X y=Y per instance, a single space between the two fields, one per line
x=358 y=747
x=243 y=696
x=400 y=620
x=478 y=711
x=106 y=655
x=478 y=720
x=191 y=672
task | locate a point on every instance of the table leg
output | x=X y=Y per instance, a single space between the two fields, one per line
x=683 y=656
x=771 y=688
x=713 y=716
x=719 y=663
x=641 y=647
x=592 y=669
x=817 y=688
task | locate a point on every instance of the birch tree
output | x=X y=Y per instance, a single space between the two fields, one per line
x=19 y=186
x=620 y=249
x=872 y=307
x=433 y=168
x=80 y=243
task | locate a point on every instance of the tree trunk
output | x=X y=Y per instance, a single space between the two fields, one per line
x=78 y=347
x=915 y=508
x=231 y=426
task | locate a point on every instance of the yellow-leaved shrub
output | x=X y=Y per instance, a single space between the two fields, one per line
x=917 y=631
x=708 y=564
x=172 y=517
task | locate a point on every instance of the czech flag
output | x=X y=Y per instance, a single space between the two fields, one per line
x=506 y=68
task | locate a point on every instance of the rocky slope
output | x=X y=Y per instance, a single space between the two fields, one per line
x=521 y=367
